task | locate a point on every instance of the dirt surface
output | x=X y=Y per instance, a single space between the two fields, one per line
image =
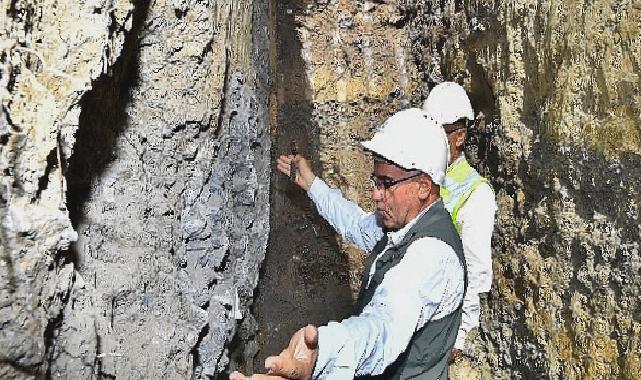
x=305 y=277
x=136 y=178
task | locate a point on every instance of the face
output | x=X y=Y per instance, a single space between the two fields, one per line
x=456 y=140
x=399 y=204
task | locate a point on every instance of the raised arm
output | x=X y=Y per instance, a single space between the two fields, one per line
x=345 y=216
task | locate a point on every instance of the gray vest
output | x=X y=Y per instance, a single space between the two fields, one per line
x=429 y=349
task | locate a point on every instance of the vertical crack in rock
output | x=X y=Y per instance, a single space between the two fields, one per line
x=304 y=276
x=197 y=364
x=221 y=107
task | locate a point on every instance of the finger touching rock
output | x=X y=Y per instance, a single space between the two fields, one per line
x=311 y=336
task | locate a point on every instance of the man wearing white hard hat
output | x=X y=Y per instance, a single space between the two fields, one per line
x=468 y=197
x=409 y=308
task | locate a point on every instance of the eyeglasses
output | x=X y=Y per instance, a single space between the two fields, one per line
x=384 y=184
x=456 y=129
x=456 y=126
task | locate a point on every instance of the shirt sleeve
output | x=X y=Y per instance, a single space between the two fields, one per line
x=345 y=216
x=476 y=218
x=420 y=288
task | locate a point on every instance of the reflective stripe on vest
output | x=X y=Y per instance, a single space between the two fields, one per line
x=460 y=182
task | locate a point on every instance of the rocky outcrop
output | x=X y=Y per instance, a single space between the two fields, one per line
x=50 y=55
x=141 y=132
x=557 y=90
x=136 y=189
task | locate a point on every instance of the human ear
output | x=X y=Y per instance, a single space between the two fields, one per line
x=460 y=137
x=424 y=188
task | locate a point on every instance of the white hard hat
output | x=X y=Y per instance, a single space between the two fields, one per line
x=413 y=140
x=447 y=103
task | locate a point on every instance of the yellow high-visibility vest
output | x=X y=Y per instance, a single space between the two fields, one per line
x=460 y=182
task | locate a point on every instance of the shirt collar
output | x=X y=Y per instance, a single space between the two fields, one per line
x=460 y=158
x=395 y=237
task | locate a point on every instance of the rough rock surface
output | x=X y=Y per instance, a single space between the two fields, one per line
x=557 y=85
x=50 y=53
x=136 y=191
x=164 y=107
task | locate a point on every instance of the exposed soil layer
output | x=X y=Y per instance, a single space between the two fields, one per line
x=305 y=276
x=137 y=196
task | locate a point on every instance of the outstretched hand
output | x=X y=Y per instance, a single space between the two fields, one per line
x=295 y=362
x=303 y=174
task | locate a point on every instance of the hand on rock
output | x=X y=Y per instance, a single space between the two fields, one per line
x=296 y=362
x=455 y=355
x=304 y=176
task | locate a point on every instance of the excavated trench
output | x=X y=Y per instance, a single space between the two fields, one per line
x=305 y=276
x=126 y=211
x=145 y=233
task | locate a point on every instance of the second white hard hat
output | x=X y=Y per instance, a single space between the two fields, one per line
x=412 y=140
x=447 y=103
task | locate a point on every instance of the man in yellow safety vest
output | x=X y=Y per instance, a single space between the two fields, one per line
x=468 y=197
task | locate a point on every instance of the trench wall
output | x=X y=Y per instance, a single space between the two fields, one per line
x=556 y=85
x=135 y=185
x=136 y=144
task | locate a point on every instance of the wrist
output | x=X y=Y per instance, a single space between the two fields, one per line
x=307 y=182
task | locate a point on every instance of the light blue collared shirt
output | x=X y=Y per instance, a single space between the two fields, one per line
x=426 y=285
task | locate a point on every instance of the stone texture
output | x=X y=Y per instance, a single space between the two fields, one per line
x=557 y=87
x=43 y=80
x=164 y=106
x=136 y=188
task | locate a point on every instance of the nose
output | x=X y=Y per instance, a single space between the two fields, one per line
x=377 y=194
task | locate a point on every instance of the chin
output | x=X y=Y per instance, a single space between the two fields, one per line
x=386 y=223
x=390 y=225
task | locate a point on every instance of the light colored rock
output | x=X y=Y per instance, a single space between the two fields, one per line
x=43 y=79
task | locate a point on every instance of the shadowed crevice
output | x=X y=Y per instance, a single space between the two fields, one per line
x=305 y=276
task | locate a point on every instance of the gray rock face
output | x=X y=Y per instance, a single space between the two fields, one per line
x=164 y=156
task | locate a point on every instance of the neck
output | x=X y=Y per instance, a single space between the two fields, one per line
x=454 y=155
x=427 y=203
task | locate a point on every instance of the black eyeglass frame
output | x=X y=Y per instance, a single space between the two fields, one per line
x=386 y=184
x=465 y=125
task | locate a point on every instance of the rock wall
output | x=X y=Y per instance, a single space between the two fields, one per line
x=557 y=88
x=43 y=80
x=341 y=68
x=141 y=132
x=136 y=189
x=558 y=85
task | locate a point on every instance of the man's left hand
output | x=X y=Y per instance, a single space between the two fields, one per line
x=296 y=362
x=455 y=355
